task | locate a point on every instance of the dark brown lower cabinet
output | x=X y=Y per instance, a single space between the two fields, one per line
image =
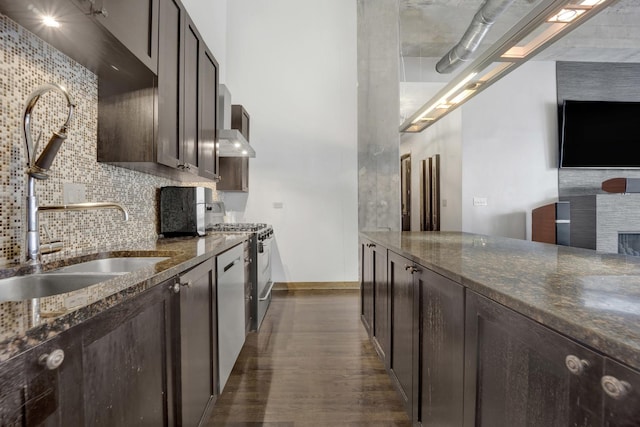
x=197 y=381
x=403 y=360
x=381 y=333
x=621 y=392
x=374 y=295
x=366 y=284
x=519 y=373
x=127 y=362
x=441 y=350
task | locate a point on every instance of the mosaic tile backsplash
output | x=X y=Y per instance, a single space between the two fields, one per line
x=25 y=63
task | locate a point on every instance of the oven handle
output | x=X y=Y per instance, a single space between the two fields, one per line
x=267 y=292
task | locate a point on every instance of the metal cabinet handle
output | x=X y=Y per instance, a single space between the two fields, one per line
x=52 y=360
x=188 y=283
x=175 y=288
x=414 y=270
x=371 y=245
x=408 y=267
x=615 y=388
x=575 y=365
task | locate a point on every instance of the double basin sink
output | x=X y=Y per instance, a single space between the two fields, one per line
x=72 y=277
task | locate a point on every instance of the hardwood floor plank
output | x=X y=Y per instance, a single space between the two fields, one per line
x=311 y=364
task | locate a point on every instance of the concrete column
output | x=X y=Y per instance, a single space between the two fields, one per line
x=378 y=116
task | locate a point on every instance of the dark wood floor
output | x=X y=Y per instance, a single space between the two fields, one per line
x=311 y=364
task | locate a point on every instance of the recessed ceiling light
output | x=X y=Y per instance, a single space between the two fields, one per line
x=50 y=21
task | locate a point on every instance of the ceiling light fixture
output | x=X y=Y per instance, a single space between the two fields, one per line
x=50 y=21
x=546 y=23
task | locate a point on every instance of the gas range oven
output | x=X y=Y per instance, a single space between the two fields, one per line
x=260 y=242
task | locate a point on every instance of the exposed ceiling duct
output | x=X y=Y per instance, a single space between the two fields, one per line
x=478 y=28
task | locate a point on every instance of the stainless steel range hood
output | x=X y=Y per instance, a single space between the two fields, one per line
x=231 y=142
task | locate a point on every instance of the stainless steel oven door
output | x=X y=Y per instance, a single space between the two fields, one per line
x=265 y=284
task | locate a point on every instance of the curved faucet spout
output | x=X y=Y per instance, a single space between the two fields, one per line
x=38 y=167
x=85 y=206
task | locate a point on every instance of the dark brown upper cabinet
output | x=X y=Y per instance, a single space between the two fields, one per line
x=234 y=171
x=240 y=120
x=175 y=135
x=133 y=23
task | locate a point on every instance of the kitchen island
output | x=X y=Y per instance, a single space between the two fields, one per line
x=509 y=327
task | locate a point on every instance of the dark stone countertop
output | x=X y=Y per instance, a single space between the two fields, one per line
x=590 y=296
x=18 y=333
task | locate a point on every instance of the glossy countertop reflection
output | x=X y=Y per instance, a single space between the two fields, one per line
x=60 y=312
x=590 y=296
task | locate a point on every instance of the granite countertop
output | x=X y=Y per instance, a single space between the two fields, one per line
x=61 y=312
x=590 y=296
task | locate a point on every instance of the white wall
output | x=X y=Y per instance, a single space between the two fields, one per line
x=210 y=17
x=509 y=151
x=444 y=138
x=501 y=145
x=292 y=65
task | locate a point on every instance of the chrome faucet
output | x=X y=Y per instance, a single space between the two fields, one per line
x=38 y=169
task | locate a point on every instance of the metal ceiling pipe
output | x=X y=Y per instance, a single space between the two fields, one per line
x=478 y=28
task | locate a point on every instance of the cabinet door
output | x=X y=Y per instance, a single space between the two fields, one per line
x=234 y=174
x=208 y=153
x=127 y=362
x=403 y=328
x=170 y=83
x=191 y=135
x=54 y=391
x=442 y=350
x=519 y=373
x=12 y=386
x=134 y=23
x=381 y=332
x=621 y=389
x=198 y=379
x=366 y=285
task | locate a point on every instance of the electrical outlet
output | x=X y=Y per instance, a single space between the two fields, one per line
x=479 y=201
x=73 y=193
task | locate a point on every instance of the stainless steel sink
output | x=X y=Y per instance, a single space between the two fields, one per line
x=20 y=288
x=110 y=265
x=71 y=278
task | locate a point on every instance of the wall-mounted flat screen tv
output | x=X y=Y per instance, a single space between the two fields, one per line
x=600 y=134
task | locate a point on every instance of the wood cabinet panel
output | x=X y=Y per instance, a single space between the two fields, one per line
x=133 y=23
x=621 y=394
x=127 y=362
x=234 y=174
x=403 y=328
x=441 y=350
x=516 y=372
x=366 y=285
x=198 y=342
x=207 y=151
x=170 y=83
x=381 y=327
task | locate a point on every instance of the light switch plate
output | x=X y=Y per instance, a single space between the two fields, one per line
x=73 y=193
x=479 y=201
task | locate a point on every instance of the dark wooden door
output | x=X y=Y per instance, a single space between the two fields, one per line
x=518 y=373
x=198 y=342
x=621 y=392
x=403 y=327
x=133 y=23
x=12 y=390
x=170 y=82
x=381 y=332
x=208 y=154
x=127 y=362
x=442 y=350
x=366 y=284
